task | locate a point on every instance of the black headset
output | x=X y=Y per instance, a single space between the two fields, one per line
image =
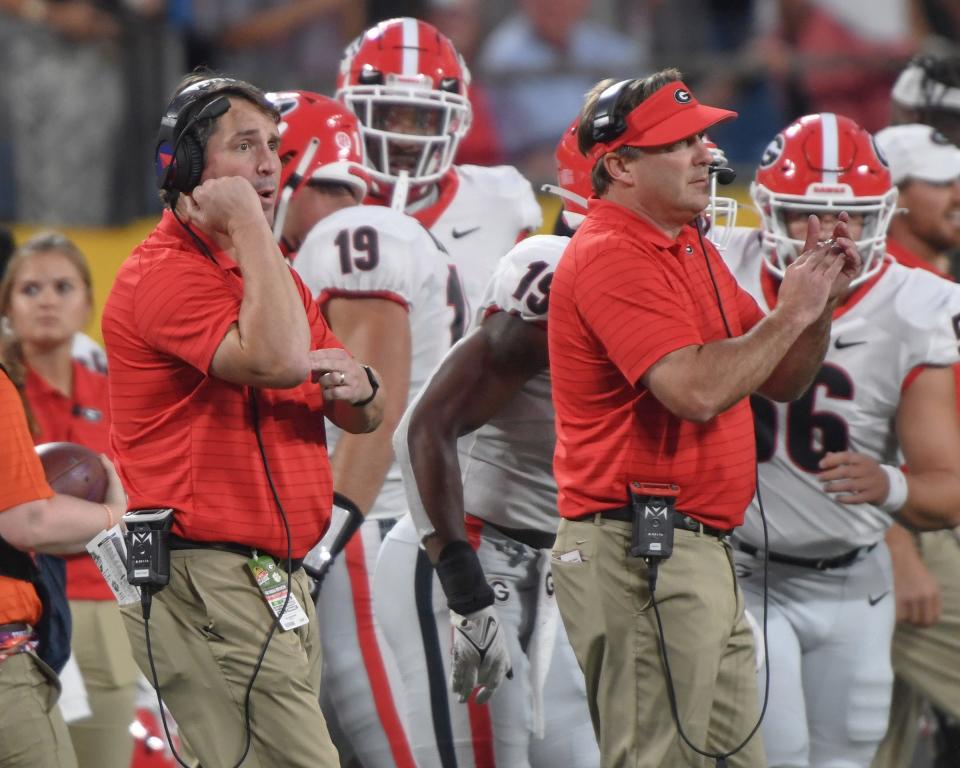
x=179 y=154
x=607 y=124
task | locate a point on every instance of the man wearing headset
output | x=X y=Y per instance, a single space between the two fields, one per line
x=654 y=350
x=224 y=370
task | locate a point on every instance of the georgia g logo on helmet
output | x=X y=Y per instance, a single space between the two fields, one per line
x=772 y=152
x=682 y=96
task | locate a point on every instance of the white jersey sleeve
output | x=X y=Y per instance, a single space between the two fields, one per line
x=929 y=308
x=521 y=281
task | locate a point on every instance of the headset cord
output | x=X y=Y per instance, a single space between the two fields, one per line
x=653 y=567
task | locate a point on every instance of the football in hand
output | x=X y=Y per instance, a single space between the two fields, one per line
x=74 y=470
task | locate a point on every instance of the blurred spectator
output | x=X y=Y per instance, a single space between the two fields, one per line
x=847 y=53
x=538 y=64
x=928 y=92
x=64 y=105
x=460 y=20
x=723 y=47
x=278 y=44
x=153 y=60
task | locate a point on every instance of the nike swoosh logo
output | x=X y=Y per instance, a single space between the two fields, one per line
x=457 y=234
x=844 y=344
x=875 y=600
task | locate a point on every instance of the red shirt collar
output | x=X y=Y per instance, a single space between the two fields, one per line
x=613 y=213
x=170 y=226
x=910 y=259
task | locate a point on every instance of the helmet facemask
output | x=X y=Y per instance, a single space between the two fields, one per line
x=781 y=249
x=422 y=143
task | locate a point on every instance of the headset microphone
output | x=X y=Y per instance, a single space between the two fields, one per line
x=725 y=175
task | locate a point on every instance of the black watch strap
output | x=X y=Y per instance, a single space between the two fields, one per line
x=373 y=383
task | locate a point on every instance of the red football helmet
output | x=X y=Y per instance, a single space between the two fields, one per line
x=721 y=213
x=573 y=178
x=820 y=164
x=408 y=85
x=320 y=140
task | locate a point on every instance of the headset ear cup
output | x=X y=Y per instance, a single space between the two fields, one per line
x=189 y=164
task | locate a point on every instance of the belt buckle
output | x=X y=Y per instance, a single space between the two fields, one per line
x=692 y=525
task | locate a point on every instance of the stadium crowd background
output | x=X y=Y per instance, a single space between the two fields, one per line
x=531 y=60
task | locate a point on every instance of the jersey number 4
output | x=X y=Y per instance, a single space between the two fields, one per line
x=810 y=433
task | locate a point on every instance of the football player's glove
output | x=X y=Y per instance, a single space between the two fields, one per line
x=479 y=656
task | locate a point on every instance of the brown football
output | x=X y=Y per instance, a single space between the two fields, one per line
x=74 y=470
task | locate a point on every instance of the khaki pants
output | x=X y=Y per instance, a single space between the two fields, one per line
x=102 y=652
x=207 y=628
x=608 y=614
x=926 y=660
x=32 y=731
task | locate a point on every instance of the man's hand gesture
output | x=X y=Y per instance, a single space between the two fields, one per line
x=822 y=273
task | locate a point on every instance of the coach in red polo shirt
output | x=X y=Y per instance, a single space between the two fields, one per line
x=223 y=370
x=654 y=350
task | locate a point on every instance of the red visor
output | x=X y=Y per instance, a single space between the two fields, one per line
x=671 y=114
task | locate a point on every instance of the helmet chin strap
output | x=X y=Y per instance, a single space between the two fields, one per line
x=280 y=215
x=401 y=190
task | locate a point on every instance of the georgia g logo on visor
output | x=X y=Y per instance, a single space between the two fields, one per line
x=682 y=96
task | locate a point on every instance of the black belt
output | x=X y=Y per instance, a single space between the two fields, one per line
x=178 y=542
x=680 y=520
x=816 y=563
x=532 y=538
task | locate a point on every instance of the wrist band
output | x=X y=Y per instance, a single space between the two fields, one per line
x=461 y=577
x=897 y=495
x=109 y=511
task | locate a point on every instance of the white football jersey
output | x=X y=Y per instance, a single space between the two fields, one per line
x=375 y=252
x=478 y=217
x=508 y=471
x=903 y=321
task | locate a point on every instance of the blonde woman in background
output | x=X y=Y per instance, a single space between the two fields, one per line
x=46 y=298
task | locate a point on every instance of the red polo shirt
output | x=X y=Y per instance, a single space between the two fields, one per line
x=21 y=480
x=623 y=296
x=185 y=439
x=82 y=418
